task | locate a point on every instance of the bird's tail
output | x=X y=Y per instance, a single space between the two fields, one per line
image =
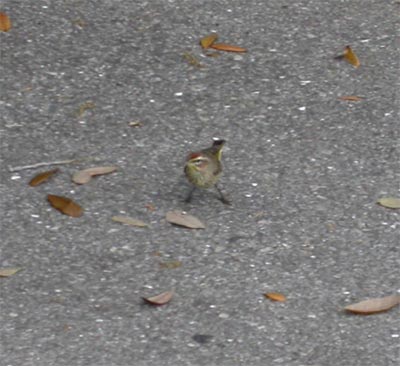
x=216 y=148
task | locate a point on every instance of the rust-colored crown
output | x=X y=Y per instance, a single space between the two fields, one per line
x=193 y=155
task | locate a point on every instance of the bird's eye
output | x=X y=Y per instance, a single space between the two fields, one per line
x=197 y=162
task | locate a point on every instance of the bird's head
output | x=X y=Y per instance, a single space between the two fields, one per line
x=197 y=161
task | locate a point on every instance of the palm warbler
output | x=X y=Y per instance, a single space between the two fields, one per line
x=203 y=169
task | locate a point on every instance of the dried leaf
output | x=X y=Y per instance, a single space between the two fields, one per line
x=5 y=22
x=181 y=218
x=389 y=202
x=372 y=306
x=275 y=296
x=207 y=41
x=84 y=107
x=79 y=22
x=84 y=176
x=7 y=272
x=192 y=60
x=331 y=226
x=67 y=327
x=350 y=98
x=129 y=221
x=349 y=56
x=65 y=205
x=135 y=124
x=42 y=177
x=150 y=207
x=227 y=47
x=170 y=264
x=160 y=299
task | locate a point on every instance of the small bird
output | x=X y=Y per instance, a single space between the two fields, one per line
x=203 y=169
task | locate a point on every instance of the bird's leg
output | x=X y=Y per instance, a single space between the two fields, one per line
x=189 y=196
x=222 y=197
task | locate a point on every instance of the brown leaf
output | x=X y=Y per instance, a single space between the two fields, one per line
x=160 y=299
x=129 y=221
x=389 y=202
x=181 y=218
x=7 y=272
x=207 y=41
x=275 y=296
x=84 y=107
x=42 y=177
x=5 y=22
x=150 y=207
x=373 y=306
x=227 y=47
x=65 y=205
x=84 y=176
x=79 y=22
x=350 y=98
x=135 y=124
x=192 y=60
x=331 y=226
x=67 y=327
x=350 y=56
x=171 y=264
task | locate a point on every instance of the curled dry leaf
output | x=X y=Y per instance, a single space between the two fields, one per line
x=84 y=176
x=65 y=205
x=373 y=306
x=181 y=218
x=129 y=221
x=349 y=56
x=84 y=107
x=5 y=22
x=389 y=202
x=275 y=296
x=150 y=207
x=350 y=98
x=171 y=264
x=227 y=47
x=7 y=272
x=42 y=177
x=160 y=299
x=135 y=124
x=207 y=41
x=79 y=22
x=67 y=327
x=192 y=60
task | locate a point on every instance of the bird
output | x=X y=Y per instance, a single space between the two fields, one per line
x=203 y=169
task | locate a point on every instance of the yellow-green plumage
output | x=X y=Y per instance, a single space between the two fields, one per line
x=203 y=169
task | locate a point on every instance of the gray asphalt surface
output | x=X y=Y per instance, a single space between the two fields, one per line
x=302 y=168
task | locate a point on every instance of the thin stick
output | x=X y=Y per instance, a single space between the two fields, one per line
x=37 y=165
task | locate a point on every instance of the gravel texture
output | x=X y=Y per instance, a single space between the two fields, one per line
x=304 y=171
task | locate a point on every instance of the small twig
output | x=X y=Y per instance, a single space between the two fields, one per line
x=37 y=165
